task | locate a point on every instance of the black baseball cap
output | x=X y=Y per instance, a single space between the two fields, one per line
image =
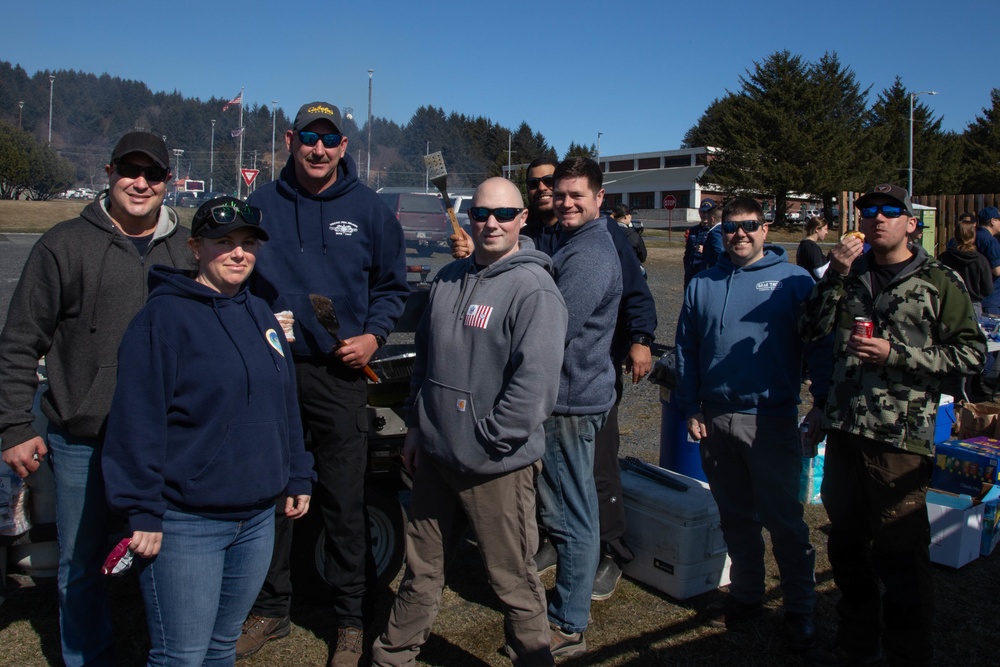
x=222 y=215
x=146 y=143
x=314 y=111
x=894 y=192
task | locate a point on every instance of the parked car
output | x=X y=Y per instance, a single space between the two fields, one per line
x=811 y=213
x=425 y=223
x=638 y=226
x=768 y=216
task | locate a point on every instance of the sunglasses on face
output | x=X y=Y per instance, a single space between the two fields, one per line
x=152 y=174
x=888 y=210
x=533 y=183
x=730 y=226
x=226 y=213
x=331 y=140
x=503 y=214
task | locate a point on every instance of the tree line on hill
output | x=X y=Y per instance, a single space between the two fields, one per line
x=793 y=127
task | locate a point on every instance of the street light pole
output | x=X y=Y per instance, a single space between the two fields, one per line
x=211 y=162
x=599 y=147
x=52 y=81
x=20 y=111
x=914 y=96
x=368 y=172
x=274 y=109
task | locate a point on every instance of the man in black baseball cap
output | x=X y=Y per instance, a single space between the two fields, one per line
x=313 y=111
x=77 y=321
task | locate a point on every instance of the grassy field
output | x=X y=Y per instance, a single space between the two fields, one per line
x=37 y=216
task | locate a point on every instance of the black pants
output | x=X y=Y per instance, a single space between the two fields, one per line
x=332 y=400
x=875 y=496
x=607 y=477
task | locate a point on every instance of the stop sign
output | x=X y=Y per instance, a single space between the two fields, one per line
x=669 y=202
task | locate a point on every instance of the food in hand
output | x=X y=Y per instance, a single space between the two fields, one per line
x=854 y=234
x=286 y=319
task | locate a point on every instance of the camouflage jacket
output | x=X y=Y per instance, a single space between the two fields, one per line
x=926 y=315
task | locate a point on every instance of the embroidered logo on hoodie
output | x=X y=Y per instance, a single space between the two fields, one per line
x=768 y=285
x=478 y=316
x=343 y=228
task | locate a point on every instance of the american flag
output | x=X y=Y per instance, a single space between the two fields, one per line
x=236 y=133
x=478 y=316
x=236 y=100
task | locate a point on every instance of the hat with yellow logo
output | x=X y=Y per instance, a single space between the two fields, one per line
x=313 y=111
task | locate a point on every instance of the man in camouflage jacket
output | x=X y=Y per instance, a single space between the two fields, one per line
x=880 y=417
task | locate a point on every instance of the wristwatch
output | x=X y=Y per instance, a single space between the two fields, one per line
x=642 y=339
x=379 y=339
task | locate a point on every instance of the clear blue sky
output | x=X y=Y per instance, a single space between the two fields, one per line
x=640 y=72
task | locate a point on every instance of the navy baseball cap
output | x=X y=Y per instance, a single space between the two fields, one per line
x=707 y=205
x=988 y=214
x=222 y=215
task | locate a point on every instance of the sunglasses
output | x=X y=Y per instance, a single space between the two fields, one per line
x=331 y=140
x=226 y=213
x=888 y=210
x=548 y=181
x=730 y=226
x=152 y=174
x=502 y=214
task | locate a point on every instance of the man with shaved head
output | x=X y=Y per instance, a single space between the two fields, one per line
x=486 y=376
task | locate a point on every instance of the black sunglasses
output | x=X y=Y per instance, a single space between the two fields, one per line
x=730 y=226
x=548 y=181
x=152 y=174
x=502 y=214
x=226 y=213
x=888 y=210
x=331 y=140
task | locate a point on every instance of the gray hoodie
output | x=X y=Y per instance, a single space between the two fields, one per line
x=489 y=350
x=81 y=285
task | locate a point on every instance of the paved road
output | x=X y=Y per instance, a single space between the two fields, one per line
x=14 y=249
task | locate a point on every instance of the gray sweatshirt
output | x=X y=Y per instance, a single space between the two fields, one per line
x=489 y=350
x=588 y=273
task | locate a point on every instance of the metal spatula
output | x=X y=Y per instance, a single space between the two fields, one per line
x=439 y=177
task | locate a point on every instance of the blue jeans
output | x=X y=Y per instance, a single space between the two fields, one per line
x=199 y=589
x=569 y=512
x=82 y=518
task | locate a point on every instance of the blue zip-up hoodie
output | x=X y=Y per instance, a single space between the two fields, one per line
x=205 y=418
x=738 y=346
x=343 y=243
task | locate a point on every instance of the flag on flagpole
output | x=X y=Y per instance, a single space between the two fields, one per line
x=236 y=133
x=236 y=100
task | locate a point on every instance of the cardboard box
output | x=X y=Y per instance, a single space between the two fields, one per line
x=956 y=528
x=673 y=528
x=963 y=466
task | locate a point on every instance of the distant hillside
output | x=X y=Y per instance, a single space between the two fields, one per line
x=90 y=112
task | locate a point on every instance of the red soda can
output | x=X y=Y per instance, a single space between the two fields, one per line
x=863 y=326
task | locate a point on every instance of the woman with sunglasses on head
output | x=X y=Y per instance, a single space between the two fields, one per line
x=204 y=434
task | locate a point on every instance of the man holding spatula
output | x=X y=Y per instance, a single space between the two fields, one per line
x=330 y=235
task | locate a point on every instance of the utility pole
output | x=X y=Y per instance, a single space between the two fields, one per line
x=368 y=172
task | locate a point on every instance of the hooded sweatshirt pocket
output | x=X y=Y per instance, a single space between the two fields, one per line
x=448 y=419
x=249 y=466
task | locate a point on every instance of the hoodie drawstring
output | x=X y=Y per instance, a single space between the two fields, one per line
x=246 y=368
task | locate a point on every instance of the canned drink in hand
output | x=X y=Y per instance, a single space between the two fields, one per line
x=810 y=446
x=863 y=326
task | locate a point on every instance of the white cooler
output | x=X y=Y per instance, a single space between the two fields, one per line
x=673 y=529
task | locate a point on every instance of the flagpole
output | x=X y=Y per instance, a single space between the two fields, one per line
x=239 y=160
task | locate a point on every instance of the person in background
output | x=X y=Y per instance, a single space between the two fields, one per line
x=623 y=216
x=809 y=255
x=477 y=465
x=963 y=258
x=989 y=246
x=82 y=283
x=880 y=420
x=203 y=434
x=739 y=365
x=696 y=238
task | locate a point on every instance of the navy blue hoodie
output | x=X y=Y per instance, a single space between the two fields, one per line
x=205 y=418
x=343 y=243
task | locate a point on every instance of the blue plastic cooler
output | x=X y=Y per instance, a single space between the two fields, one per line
x=677 y=452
